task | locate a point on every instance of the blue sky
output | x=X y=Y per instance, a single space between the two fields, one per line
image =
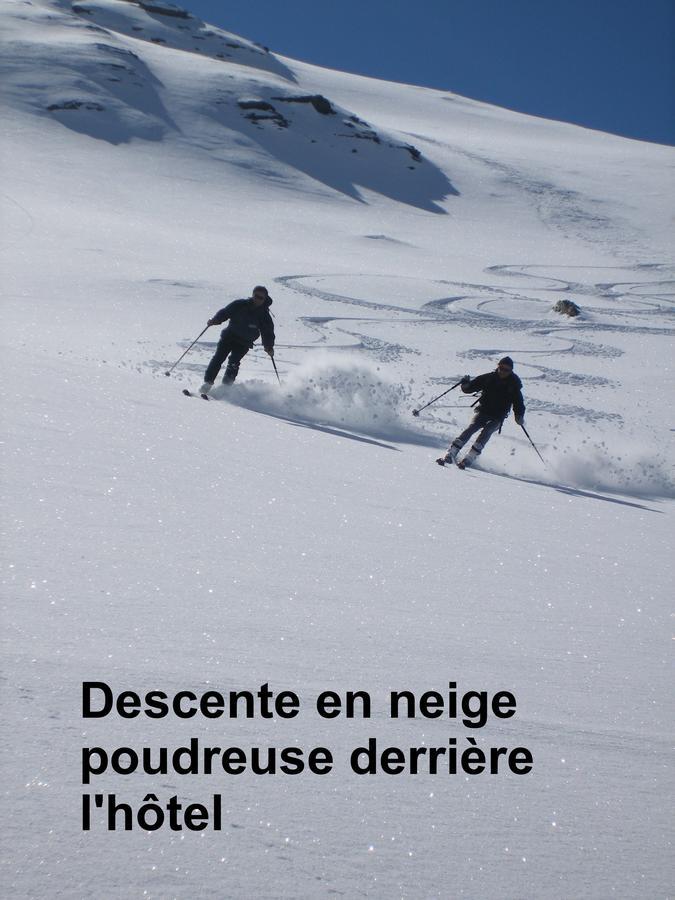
x=606 y=64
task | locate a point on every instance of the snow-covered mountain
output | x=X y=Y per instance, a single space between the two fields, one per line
x=155 y=168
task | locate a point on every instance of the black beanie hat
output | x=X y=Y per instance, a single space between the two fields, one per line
x=506 y=361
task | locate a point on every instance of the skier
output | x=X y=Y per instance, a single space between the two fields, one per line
x=248 y=320
x=500 y=390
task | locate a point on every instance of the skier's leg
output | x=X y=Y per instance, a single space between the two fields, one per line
x=487 y=431
x=237 y=353
x=475 y=425
x=217 y=361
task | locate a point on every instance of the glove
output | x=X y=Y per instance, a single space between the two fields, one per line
x=466 y=379
x=269 y=351
x=520 y=420
x=212 y=322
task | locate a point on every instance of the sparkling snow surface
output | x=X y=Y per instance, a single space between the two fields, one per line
x=301 y=534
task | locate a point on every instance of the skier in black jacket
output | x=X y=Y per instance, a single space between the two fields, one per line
x=500 y=390
x=247 y=321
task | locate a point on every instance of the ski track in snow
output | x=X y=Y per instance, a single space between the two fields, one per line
x=561 y=209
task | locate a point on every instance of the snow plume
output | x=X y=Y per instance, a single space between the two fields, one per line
x=629 y=471
x=617 y=465
x=334 y=391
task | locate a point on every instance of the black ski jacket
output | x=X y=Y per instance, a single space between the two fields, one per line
x=247 y=322
x=498 y=394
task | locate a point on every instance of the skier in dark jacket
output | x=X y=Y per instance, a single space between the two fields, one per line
x=247 y=321
x=500 y=390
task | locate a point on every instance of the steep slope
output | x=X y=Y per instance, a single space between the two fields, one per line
x=302 y=535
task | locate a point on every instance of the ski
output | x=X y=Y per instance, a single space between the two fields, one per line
x=190 y=394
x=442 y=461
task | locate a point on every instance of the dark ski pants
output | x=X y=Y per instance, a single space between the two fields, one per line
x=480 y=422
x=226 y=347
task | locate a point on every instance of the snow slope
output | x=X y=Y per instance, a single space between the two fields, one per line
x=301 y=535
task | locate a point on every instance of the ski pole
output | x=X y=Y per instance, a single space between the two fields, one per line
x=534 y=445
x=416 y=412
x=186 y=352
x=275 y=369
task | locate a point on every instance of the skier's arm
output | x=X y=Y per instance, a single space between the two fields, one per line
x=267 y=333
x=472 y=385
x=518 y=402
x=519 y=407
x=222 y=315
